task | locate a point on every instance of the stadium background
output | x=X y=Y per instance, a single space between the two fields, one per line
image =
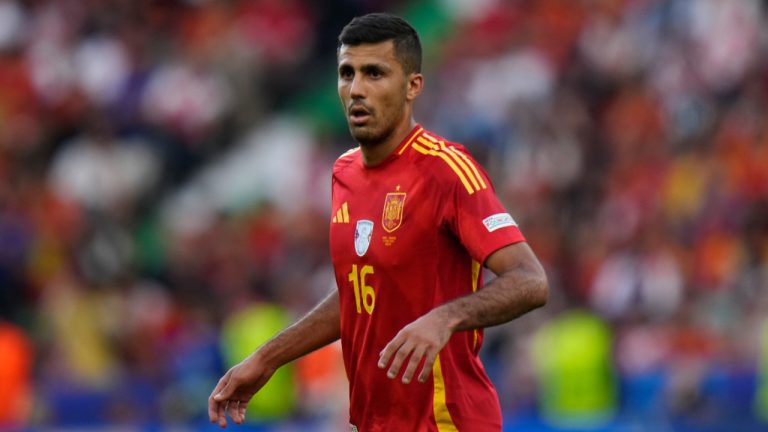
x=164 y=203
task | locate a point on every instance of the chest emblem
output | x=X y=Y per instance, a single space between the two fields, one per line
x=392 y=216
x=363 y=233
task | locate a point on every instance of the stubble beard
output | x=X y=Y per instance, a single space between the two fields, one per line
x=369 y=137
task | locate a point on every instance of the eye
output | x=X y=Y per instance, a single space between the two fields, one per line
x=375 y=73
x=346 y=72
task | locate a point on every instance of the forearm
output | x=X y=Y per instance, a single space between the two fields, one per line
x=507 y=297
x=317 y=328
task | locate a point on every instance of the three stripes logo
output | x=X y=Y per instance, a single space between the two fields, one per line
x=342 y=214
x=464 y=168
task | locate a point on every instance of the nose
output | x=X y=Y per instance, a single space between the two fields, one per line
x=357 y=87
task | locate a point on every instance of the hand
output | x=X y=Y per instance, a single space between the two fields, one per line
x=236 y=388
x=423 y=338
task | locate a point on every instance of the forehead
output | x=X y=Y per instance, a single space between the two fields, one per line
x=368 y=53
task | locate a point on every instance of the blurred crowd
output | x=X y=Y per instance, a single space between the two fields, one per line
x=164 y=207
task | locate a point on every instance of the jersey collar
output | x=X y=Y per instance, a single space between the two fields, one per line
x=400 y=149
x=409 y=139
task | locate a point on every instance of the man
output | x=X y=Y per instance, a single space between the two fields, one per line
x=415 y=218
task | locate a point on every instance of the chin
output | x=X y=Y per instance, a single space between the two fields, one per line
x=365 y=135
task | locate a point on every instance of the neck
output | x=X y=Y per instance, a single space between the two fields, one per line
x=375 y=154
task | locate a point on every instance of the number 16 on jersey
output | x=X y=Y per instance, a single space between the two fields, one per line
x=363 y=293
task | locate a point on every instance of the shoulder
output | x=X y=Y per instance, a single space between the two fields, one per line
x=448 y=161
x=346 y=160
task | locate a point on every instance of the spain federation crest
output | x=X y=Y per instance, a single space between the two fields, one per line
x=392 y=216
x=363 y=233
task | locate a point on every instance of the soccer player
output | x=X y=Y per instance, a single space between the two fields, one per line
x=414 y=220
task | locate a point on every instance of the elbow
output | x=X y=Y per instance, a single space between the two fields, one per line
x=540 y=291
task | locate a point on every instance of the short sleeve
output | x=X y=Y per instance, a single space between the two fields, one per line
x=476 y=216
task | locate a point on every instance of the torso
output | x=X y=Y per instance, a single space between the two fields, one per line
x=397 y=253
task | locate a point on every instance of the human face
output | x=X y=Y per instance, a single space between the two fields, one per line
x=374 y=91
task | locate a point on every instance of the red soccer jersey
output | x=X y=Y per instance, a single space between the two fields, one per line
x=408 y=235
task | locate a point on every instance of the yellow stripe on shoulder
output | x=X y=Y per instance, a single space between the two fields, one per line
x=460 y=161
x=471 y=165
x=462 y=164
x=426 y=143
x=410 y=140
x=429 y=152
x=428 y=136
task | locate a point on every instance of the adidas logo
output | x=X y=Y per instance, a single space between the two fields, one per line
x=342 y=214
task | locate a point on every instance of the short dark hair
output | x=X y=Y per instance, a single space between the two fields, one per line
x=379 y=27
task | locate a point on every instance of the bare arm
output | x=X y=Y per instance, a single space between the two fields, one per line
x=520 y=287
x=316 y=329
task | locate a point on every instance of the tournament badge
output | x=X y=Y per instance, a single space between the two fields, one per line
x=363 y=233
x=392 y=216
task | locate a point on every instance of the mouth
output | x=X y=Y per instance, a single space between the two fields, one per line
x=359 y=115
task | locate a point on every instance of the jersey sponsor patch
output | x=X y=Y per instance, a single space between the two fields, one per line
x=363 y=233
x=352 y=428
x=498 y=220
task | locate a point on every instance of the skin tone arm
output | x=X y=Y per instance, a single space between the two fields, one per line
x=520 y=287
x=316 y=329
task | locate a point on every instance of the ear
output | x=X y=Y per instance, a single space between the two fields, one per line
x=415 y=85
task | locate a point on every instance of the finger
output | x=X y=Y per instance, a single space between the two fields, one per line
x=413 y=363
x=232 y=409
x=386 y=354
x=428 y=365
x=222 y=414
x=241 y=411
x=399 y=358
x=213 y=415
x=225 y=393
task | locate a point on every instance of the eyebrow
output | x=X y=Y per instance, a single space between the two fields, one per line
x=375 y=67
x=368 y=67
